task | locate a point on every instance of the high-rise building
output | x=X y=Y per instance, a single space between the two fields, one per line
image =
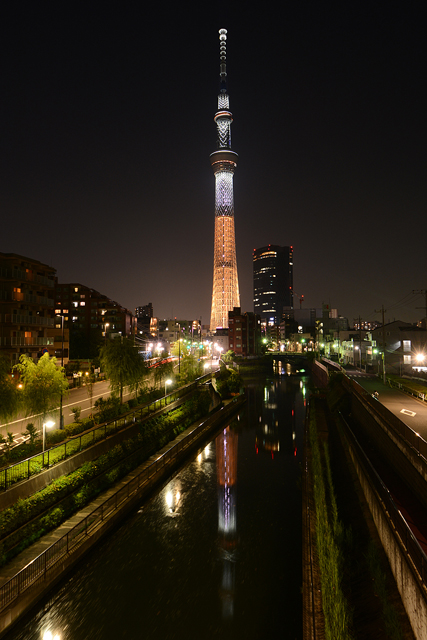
x=273 y=282
x=225 y=293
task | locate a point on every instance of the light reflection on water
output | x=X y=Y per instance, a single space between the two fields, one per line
x=216 y=553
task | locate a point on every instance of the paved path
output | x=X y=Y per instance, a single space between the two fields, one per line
x=411 y=411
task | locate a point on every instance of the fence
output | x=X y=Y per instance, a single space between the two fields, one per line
x=35 y=464
x=408 y=390
x=409 y=435
x=37 y=570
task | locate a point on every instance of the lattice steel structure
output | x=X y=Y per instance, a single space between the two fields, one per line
x=225 y=293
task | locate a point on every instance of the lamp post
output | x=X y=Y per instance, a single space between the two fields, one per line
x=166 y=384
x=107 y=324
x=46 y=425
x=179 y=347
x=61 y=417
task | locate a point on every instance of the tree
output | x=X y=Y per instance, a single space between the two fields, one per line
x=229 y=356
x=43 y=384
x=162 y=371
x=31 y=431
x=7 y=441
x=122 y=364
x=9 y=395
x=90 y=380
x=190 y=368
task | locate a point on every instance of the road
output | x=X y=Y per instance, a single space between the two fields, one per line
x=76 y=398
x=409 y=410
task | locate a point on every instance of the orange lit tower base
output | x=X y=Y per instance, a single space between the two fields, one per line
x=225 y=293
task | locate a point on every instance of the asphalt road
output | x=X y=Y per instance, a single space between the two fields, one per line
x=76 y=398
x=411 y=411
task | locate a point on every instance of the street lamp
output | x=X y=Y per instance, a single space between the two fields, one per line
x=107 y=324
x=46 y=425
x=357 y=348
x=166 y=384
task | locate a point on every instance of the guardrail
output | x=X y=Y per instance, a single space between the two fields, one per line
x=409 y=435
x=37 y=570
x=408 y=390
x=35 y=464
x=409 y=541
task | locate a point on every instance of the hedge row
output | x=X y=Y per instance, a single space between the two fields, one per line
x=27 y=520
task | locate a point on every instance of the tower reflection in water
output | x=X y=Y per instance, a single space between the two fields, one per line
x=226 y=460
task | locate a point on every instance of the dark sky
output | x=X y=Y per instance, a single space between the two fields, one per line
x=107 y=126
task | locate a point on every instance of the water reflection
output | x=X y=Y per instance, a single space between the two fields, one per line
x=226 y=464
x=288 y=368
x=198 y=560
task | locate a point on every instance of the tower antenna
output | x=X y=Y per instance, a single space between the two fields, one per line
x=225 y=292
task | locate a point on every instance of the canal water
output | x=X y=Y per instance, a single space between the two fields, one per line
x=216 y=553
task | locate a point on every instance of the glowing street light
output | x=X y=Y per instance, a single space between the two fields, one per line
x=420 y=357
x=166 y=384
x=49 y=636
x=46 y=425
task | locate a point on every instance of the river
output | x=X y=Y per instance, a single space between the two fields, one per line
x=216 y=553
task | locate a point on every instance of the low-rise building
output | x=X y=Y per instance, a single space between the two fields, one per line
x=91 y=318
x=244 y=332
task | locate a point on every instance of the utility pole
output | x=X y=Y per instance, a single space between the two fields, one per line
x=382 y=311
x=422 y=292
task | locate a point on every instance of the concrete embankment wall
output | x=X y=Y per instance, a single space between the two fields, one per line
x=41 y=480
x=408 y=464
x=412 y=591
x=158 y=469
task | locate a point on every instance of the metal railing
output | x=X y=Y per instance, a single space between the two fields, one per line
x=402 y=387
x=33 y=465
x=392 y=513
x=37 y=570
x=409 y=435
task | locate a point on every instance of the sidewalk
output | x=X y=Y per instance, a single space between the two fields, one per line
x=28 y=555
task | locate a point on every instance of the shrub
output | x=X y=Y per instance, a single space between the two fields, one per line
x=58 y=435
x=76 y=411
x=32 y=432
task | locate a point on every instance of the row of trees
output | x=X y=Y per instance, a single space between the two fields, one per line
x=40 y=389
x=43 y=384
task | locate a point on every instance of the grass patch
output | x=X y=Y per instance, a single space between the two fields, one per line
x=390 y=616
x=329 y=542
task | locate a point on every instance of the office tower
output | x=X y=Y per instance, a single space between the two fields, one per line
x=273 y=282
x=225 y=293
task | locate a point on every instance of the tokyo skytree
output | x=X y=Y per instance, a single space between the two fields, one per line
x=225 y=293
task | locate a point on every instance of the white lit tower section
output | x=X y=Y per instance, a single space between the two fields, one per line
x=225 y=294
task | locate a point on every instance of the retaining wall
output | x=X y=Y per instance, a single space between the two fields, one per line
x=412 y=591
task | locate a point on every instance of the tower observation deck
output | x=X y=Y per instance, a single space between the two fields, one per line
x=225 y=293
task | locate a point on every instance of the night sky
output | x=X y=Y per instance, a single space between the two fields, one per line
x=107 y=127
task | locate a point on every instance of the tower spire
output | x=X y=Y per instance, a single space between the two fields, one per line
x=223 y=60
x=225 y=294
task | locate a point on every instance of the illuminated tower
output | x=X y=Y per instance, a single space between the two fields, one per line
x=225 y=293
